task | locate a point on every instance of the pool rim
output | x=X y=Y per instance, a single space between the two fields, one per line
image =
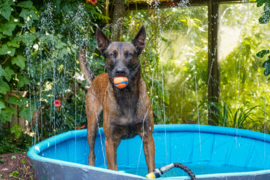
x=36 y=149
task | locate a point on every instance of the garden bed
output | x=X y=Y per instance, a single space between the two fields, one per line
x=15 y=166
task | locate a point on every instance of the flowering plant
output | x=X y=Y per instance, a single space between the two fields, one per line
x=92 y=1
x=57 y=103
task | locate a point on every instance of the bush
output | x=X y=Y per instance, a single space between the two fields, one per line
x=39 y=47
x=16 y=30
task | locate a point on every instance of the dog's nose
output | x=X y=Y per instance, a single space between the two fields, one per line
x=120 y=72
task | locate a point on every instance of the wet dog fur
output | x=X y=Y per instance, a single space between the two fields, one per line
x=127 y=112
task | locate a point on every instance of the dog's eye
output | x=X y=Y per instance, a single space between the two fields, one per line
x=129 y=55
x=112 y=55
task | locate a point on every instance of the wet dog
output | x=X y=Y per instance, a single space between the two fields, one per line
x=127 y=111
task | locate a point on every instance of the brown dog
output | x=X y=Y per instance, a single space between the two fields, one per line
x=127 y=111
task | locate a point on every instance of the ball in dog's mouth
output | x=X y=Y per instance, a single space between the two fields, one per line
x=120 y=81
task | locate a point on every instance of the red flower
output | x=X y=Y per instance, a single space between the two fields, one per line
x=92 y=1
x=57 y=103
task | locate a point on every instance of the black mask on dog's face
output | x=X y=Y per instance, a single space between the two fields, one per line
x=121 y=57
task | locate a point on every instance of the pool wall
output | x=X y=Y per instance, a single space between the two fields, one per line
x=61 y=157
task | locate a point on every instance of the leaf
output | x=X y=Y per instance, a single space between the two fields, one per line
x=13 y=157
x=17 y=129
x=22 y=80
x=162 y=38
x=25 y=4
x=262 y=53
x=6 y=114
x=15 y=21
x=2 y=36
x=28 y=16
x=59 y=44
x=33 y=30
x=7 y=28
x=6 y=11
x=2 y=72
x=9 y=73
x=83 y=83
x=23 y=161
x=15 y=173
x=4 y=87
x=266 y=8
x=264 y=19
x=7 y=50
x=14 y=100
x=13 y=43
x=28 y=39
x=266 y=65
x=260 y=3
x=63 y=52
x=2 y=105
x=27 y=113
x=19 y=61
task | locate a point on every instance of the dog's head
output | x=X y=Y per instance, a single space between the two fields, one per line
x=121 y=57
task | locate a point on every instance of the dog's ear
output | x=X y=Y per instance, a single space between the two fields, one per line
x=102 y=40
x=139 y=40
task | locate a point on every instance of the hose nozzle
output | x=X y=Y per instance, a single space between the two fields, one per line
x=158 y=172
x=151 y=175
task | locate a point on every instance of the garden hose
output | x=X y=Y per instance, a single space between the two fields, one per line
x=159 y=172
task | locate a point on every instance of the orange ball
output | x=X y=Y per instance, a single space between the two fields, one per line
x=120 y=82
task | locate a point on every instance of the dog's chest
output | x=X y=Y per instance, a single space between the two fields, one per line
x=126 y=128
x=128 y=115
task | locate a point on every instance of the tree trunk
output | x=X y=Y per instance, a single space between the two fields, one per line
x=117 y=19
x=213 y=64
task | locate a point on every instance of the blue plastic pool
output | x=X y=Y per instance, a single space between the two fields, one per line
x=210 y=152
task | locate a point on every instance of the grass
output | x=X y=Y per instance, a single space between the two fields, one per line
x=241 y=117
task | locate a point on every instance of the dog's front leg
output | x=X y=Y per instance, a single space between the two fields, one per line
x=149 y=149
x=111 y=150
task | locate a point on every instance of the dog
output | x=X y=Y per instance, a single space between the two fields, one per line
x=127 y=112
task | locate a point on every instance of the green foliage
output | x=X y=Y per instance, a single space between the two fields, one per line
x=14 y=174
x=39 y=43
x=150 y=59
x=52 y=60
x=262 y=53
x=17 y=130
x=13 y=157
x=242 y=83
x=27 y=113
x=266 y=65
x=264 y=20
x=242 y=117
x=12 y=144
x=166 y=67
x=15 y=19
x=266 y=14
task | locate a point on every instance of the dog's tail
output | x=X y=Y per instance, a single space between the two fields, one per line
x=88 y=74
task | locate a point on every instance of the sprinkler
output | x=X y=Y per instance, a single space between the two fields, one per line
x=159 y=172
x=120 y=82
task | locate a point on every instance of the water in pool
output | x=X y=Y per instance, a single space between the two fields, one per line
x=197 y=169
